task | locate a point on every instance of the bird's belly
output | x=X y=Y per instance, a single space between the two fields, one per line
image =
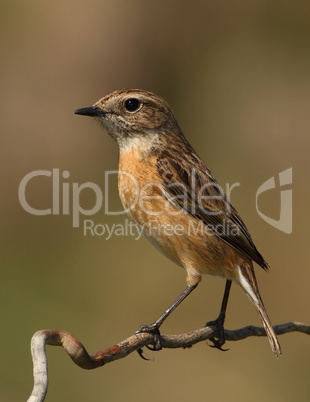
x=178 y=235
x=189 y=243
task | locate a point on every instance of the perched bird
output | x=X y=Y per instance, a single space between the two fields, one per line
x=169 y=191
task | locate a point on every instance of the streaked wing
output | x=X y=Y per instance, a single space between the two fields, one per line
x=197 y=192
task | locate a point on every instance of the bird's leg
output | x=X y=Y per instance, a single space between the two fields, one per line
x=219 y=322
x=154 y=327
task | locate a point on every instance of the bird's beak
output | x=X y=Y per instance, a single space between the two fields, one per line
x=90 y=111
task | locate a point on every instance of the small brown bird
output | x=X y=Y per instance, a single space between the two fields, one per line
x=168 y=190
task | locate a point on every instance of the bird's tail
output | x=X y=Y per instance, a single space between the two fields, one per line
x=246 y=279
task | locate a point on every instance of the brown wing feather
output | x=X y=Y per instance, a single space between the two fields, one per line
x=197 y=192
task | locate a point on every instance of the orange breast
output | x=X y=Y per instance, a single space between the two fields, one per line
x=178 y=235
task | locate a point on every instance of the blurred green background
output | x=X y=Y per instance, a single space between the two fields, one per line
x=236 y=74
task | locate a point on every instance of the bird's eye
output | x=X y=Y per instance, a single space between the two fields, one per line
x=132 y=104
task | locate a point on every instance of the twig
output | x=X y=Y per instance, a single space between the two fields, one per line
x=79 y=355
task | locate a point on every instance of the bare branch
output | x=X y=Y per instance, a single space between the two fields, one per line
x=79 y=355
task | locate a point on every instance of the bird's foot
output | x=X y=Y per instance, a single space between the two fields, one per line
x=152 y=329
x=219 y=340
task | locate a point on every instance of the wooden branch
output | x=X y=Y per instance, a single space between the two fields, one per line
x=79 y=355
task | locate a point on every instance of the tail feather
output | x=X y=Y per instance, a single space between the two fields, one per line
x=273 y=340
x=248 y=283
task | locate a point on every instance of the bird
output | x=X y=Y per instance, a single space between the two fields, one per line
x=168 y=191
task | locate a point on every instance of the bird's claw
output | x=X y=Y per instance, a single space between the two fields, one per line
x=219 y=341
x=217 y=344
x=153 y=330
x=140 y=353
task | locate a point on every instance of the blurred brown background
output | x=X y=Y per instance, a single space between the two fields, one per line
x=237 y=77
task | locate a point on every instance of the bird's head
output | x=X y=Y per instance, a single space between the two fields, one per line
x=131 y=115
